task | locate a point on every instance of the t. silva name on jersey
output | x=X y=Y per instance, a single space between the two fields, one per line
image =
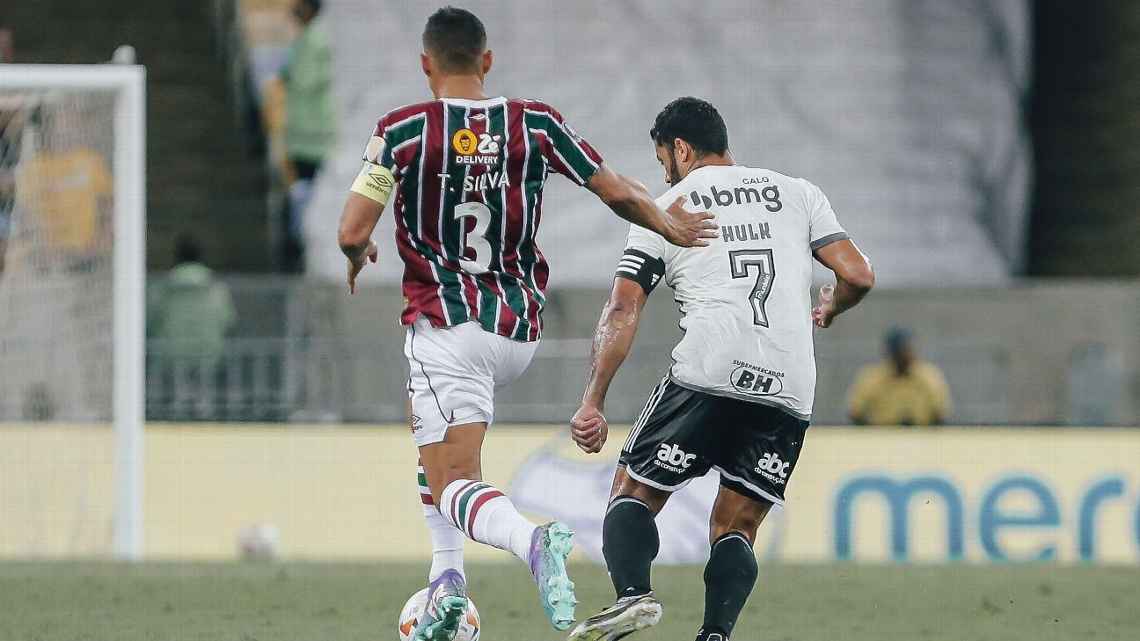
x=489 y=181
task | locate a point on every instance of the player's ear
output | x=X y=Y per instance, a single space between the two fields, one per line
x=425 y=63
x=488 y=60
x=682 y=151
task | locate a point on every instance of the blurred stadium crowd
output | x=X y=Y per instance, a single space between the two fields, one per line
x=980 y=160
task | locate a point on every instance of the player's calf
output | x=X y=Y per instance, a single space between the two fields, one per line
x=446 y=540
x=629 y=543
x=485 y=514
x=730 y=573
x=729 y=577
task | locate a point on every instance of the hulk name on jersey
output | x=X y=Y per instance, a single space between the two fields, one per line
x=745 y=299
x=469 y=178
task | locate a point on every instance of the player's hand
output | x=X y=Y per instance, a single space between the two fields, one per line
x=589 y=429
x=354 y=266
x=687 y=229
x=823 y=313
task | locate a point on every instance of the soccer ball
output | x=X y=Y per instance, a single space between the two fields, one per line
x=414 y=609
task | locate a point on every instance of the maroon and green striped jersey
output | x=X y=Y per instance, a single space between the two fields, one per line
x=469 y=181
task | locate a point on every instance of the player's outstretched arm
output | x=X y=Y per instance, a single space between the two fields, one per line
x=630 y=200
x=613 y=339
x=853 y=279
x=357 y=221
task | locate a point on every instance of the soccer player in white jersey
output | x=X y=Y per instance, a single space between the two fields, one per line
x=739 y=394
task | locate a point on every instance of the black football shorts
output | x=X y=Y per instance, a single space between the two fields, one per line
x=683 y=433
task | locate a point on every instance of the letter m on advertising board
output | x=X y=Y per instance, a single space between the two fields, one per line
x=898 y=495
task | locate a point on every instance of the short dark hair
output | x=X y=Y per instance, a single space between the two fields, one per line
x=456 y=38
x=897 y=338
x=186 y=250
x=315 y=5
x=693 y=120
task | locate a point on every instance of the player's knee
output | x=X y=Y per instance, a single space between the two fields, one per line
x=746 y=529
x=653 y=498
x=461 y=470
x=451 y=474
x=745 y=520
x=445 y=472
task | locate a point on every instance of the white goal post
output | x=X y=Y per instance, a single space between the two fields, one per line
x=128 y=170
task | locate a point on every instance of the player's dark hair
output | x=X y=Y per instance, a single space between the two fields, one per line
x=693 y=120
x=186 y=250
x=456 y=38
x=897 y=338
x=314 y=5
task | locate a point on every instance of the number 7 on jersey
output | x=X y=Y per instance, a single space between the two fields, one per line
x=740 y=261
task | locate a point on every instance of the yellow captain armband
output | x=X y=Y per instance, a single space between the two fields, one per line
x=374 y=182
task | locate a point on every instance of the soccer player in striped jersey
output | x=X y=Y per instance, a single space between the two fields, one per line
x=467 y=172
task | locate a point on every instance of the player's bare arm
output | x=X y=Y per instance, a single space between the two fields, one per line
x=357 y=221
x=366 y=200
x=854 y=277
x=613 y=339
x=631 y=201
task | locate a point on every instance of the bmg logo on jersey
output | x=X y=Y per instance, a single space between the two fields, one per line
x=768 y=196
x=756 y=381
x=673 y=458
x=771 y=467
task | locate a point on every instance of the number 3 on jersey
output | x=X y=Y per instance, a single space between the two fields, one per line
x=476 y=240
x=740 y=261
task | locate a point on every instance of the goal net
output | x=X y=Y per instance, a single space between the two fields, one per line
x=71 y=309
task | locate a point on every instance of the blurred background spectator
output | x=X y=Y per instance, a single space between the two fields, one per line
x=901 y=389
x=7 y=152
x=309 y=127
x=189 y=312
x=71 y=188
x=9 y=156
x=7 y=45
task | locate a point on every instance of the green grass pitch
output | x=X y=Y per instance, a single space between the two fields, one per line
x=360 y=602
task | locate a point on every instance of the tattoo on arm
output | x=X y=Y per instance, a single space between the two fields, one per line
x=613 y=339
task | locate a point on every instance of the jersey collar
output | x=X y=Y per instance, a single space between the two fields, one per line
x=463 y=102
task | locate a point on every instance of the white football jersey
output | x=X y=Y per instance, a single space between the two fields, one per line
x=746 y=298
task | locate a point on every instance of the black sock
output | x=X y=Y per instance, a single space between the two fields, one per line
x=629 y=543
x=729 y=577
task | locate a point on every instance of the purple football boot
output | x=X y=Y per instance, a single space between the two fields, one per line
x=549 y=546
x=446 y=605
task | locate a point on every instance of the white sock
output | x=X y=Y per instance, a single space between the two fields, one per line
x=446 y=540
x=486 y=515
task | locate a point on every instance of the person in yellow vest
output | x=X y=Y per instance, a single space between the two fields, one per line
x=69 y=193
x=902 y=389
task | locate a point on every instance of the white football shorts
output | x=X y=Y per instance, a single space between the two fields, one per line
x=454 y=372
